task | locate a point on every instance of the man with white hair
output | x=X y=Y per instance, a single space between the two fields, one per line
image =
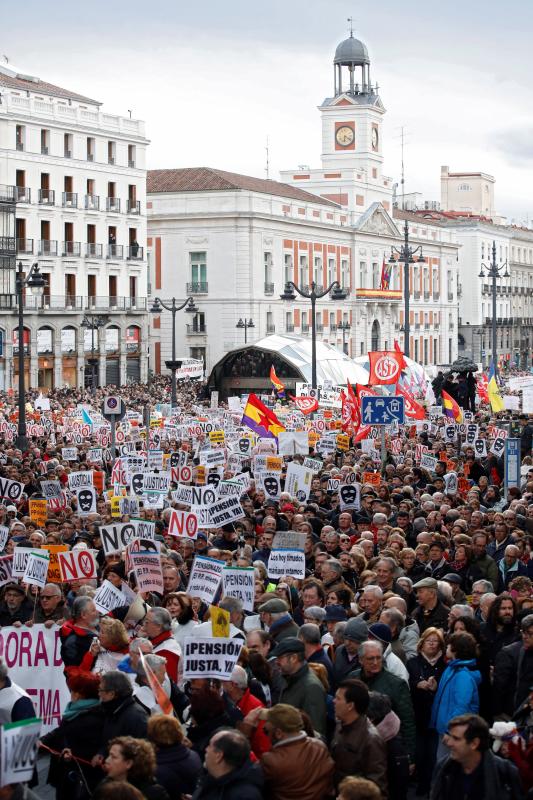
x=239 y=693
x=371 y=601
x=510 y=567
x=157 y=627
x=142 y=690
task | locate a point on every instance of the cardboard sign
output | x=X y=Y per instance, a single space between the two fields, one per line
x=54 y=572
x=6 y=566
x=498 y=446
x=78 y=480
x=156 y=483
x=210 y=658
x=333 y=484
x=20 y=559
x=12 y=490
x=183 y=523
x=350 y=496
x=343 y=442
x=205 y=577
x=373 y=478
x=51 y=489
x=116 y=538
x=224 y=511
x=69 y=453
x=287 y=555
x=147 y=566
x=219 y=622
x=239 y=582
x=19 y=750
x=86 y=500
x=145 y=529
x=75 y=564
x=36 y=568
x=273 y=464
x=298 y=481
x=216 y=437
x=108 y=597
x=270 y=483
x=38 y=512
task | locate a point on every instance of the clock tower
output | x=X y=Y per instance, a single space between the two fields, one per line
x=352 y=147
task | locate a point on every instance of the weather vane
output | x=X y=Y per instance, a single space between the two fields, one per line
x=350 y=20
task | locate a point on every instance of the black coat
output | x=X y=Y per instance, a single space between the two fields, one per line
x=420 y=669
x=83 y=735
x=150 y=790
x=123 y=718
x=22 y=614
x=513 y=675
x=245 y=783
x=75 y=643
x=500 y=779
x=177 y=769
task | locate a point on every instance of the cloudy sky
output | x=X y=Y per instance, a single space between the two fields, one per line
x=213 y=79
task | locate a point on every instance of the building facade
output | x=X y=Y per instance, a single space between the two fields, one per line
x=232 y=242
x=80 y=191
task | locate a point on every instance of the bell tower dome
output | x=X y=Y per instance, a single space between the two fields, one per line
x=353 y=55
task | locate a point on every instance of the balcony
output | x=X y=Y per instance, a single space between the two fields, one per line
x=196 y=330
x=8 y=194
x=269 y=288
x=25 y=247
x=90 y=156
x=44 y=150
x=47 y=247
x=72 y=249
x=426 y=296
x=289 y=328
x=197 y=288
x=53 y=303
x=131 y=163
x=319 y=327
x=111 y=160
x=104 y=303
x=134 y=207
x=450 y=297
x=271 y=329
x=22 y=194
x=47 y=197
x=115 y=251
x=135 y=253
x=113 y=204
x=7 y=244
x=92 y=202
x=93 y=250
x=416 y=295
x=20 y=147
x=436 y=295
x=417 y=326
x=426 y=326
x=305 y=327
x=70 y=199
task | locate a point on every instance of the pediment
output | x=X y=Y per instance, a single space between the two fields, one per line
x=377 y=220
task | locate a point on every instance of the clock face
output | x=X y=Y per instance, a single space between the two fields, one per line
x=344 y=136
x=375 y=138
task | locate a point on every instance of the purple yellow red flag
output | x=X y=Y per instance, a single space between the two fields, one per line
x=451 y=407
x=279 y=387
x=261 y=419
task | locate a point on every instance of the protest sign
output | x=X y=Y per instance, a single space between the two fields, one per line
x=271 y=485
x=291 y=443
x=220 y=622
x=287 y=555
x=480 y=446
x=224 y=511
x=498 y=446
x=298 y=481
x=450 y=483
x=6 y=565
x=32 y=656
x=54 y=573
x=205 y=577
x=210 y=658
x=36 y=568
x=146 y=565
x=144 y=529
x=86 y=499
x=69 y=453
x=20 y=559
x=12 y=490
x=194 y=495
x=350 y=496
x=156 y=483
x=239 y=582
x=183 y=523
x=372 y=478
x=4 y=536
x=19 y=750
x=108 y=597
x=75 y=564
x=314 y=464
x=116 y=537
x=428 y=462
x=78 y=480
x=51 y=489
x=38 y=512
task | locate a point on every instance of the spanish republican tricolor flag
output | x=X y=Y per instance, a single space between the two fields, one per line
x=279 y=387
x=261 y=419
x=451 y=407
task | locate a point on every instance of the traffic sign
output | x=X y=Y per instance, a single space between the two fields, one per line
x=512 y=462
x=113 y=408
x=382 y=410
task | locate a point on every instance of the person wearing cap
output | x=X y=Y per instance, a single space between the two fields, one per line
x=275 y=615
x=297 y=767
x=346 y=655
x=430 y=612
x=15 y=607
x=437 y=566
x=315 y=614
x=380 y=632
x=455 y=581
x=357 y=748
x=303 y=689
x=201 y=543
x=334 y=614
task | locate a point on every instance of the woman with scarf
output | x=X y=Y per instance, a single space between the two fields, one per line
x=77 y=736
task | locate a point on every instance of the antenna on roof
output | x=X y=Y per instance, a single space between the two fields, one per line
x=350 y=20
x=267 y=167
x=6 y=59
x=130 y=111
x=402 y=138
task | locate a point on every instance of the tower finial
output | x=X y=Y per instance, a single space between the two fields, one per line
x=350 y=20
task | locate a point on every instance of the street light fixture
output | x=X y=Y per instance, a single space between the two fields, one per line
x=493 y=272
x=35 y=283
x=244 y=323
x=92 y=323
x=337 y=294
x=405 y=254
x=157 y=308
x=344 y=327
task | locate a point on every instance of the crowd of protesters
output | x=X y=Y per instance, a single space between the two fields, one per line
x=401 y=663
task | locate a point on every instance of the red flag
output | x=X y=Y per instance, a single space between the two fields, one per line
x=412 y=408
x=385 y=367
x=483 y=388
x=364 y=391
x=305 y=404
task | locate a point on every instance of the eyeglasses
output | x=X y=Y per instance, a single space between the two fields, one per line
x=48 y=596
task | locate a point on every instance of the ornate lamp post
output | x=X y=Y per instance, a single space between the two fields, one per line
x=92 y=323
x=405 y=254
x=244 y=323
x=344 y=327
x=494 y=272
x=36 y=283
x=157 y=308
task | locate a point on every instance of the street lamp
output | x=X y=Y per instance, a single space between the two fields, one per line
x=35 y=283
x=245 y=324
x=92 y=323
x=337 y=294
x=344 y=327
x=157 y=308
x=493 y=271
x=405 y=254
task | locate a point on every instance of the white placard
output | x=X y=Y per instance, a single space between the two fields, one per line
x=19 y=750
x=108 y=597
x=210 y=657
x=239 y=582
x=205 y=577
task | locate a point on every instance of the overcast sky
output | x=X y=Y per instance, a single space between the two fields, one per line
x=213 y=79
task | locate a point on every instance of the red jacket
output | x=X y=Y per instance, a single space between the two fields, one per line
x=259 y=740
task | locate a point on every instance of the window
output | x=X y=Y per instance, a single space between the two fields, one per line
x=362 y=275
x=20 y=136
x=67 y=145
x=45 y=141
x=332 y=271
x=287 y=267
x=304 y=274
x=375 y=276
x=112 y=289
x=267 y=265
x=131 y=155
x=111 y=152
x=198 y=322
x=91 y=286
x=198 y=353
x=198 y=265
x=289 y=324
x=317 y=271
x=426 y=344
x=482 y=250
x=345 y=274
x=270 y=322
x=70 y=289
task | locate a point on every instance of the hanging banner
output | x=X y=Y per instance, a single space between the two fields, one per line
x=33 y=658
x=205 y=577
x=210 y=658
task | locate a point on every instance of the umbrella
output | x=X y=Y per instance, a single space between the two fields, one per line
x=463 y=364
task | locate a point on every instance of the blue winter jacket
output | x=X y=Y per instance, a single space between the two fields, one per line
x=457 y=693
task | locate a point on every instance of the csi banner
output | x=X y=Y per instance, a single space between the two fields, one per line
x=33 y=658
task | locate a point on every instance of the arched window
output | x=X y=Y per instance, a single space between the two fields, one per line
x=375 y=336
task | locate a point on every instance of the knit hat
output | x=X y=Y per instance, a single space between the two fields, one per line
x=356 y=629
x=381 y=632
